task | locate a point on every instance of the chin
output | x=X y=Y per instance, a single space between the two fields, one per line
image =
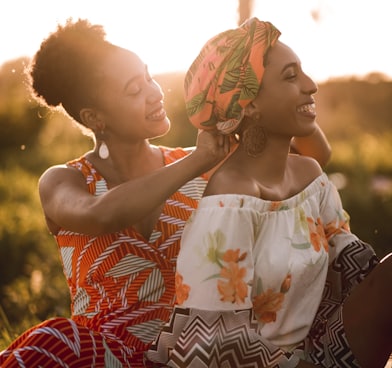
x=308 y=129
x=161 y=132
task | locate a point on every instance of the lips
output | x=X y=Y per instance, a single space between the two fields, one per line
x=307 y=109
x=159 y=114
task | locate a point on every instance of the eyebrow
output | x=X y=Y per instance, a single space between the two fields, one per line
x=289 y=65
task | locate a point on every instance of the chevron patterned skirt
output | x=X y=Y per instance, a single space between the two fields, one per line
x=200 y=338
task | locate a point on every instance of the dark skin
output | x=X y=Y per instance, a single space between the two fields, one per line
x=130 y=111
x=123 y=108
x=284 y=108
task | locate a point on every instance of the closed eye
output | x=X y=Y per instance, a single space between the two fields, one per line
x=290 y=71
x=291 y=76
x=133 y=90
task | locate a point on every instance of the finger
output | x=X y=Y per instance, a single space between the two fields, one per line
x=221 y=140
x=228 y=144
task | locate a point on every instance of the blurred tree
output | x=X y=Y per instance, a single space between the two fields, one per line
x=27 y=250
x=28 y=130
x=20 y=121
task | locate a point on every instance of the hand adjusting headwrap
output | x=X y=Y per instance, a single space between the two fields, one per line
x=227 y=74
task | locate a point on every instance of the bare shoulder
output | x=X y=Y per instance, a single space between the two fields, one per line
x=306 y=168
x=230 y=181
x=57 y=186
x=59 y=175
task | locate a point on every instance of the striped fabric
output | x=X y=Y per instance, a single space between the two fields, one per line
x=122 y=288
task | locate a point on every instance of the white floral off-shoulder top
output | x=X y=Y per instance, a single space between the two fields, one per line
x=241 y=252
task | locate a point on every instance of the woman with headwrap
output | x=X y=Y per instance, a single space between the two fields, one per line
x=117 y=212
x=269 y=274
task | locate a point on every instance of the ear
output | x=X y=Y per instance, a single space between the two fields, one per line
x=90 y=118
x=251 y=110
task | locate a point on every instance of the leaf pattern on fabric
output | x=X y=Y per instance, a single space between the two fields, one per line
x=230 y=279
x=227 y=74
x=216 y=242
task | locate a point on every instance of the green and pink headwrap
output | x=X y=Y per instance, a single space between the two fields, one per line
x=227 y=74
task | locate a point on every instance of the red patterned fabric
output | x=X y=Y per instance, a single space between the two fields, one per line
x=122 y=288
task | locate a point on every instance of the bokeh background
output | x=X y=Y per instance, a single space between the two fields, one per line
x=343 y=46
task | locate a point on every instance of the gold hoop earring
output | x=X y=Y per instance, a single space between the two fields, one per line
x=254 y=140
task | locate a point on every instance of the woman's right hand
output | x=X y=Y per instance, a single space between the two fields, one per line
x=212 y=147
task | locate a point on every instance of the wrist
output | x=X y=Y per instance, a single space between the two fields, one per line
x=202 y=160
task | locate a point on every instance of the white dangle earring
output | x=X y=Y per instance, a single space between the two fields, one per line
x=103 y=151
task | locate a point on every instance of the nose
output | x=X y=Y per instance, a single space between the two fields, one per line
x=155 y=92
x=309 y=85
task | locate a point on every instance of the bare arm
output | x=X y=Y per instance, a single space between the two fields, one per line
x=67 y=203
x=315 y=145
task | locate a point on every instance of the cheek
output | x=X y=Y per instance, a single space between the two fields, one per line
x=274 y=110
x=127 y=108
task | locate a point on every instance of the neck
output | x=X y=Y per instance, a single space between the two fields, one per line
x=127 y=162
x=270 y=162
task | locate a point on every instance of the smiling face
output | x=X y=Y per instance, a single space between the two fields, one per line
x=130 y=101
x=285 y=101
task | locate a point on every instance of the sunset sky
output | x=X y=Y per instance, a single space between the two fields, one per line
x=333 y=38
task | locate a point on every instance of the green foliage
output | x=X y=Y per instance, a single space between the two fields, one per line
x=355 y=115
x=366 y=168
x=19 y=115
x=27 y=252
x=351 y=107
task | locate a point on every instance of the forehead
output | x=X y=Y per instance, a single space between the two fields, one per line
x=122 y=64
x=280 y=55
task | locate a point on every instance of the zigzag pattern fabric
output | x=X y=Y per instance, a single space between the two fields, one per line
x=200 y=338
x=354 y=263
x=122 y=288
x=215 y=340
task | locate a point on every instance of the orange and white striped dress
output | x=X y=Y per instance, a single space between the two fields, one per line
x=122 y=288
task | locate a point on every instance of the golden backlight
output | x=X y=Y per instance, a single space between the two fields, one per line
x=333 y=38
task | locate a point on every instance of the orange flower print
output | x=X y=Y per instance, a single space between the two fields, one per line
x=232 y=255
x=317 y=235
x=278 y=206
x=275 y=205
x=182 y=290
x=285 y=287
x=337 y=227
x=234 y=290
x=267 y=304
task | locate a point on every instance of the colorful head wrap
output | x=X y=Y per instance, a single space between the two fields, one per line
x=227 y=74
